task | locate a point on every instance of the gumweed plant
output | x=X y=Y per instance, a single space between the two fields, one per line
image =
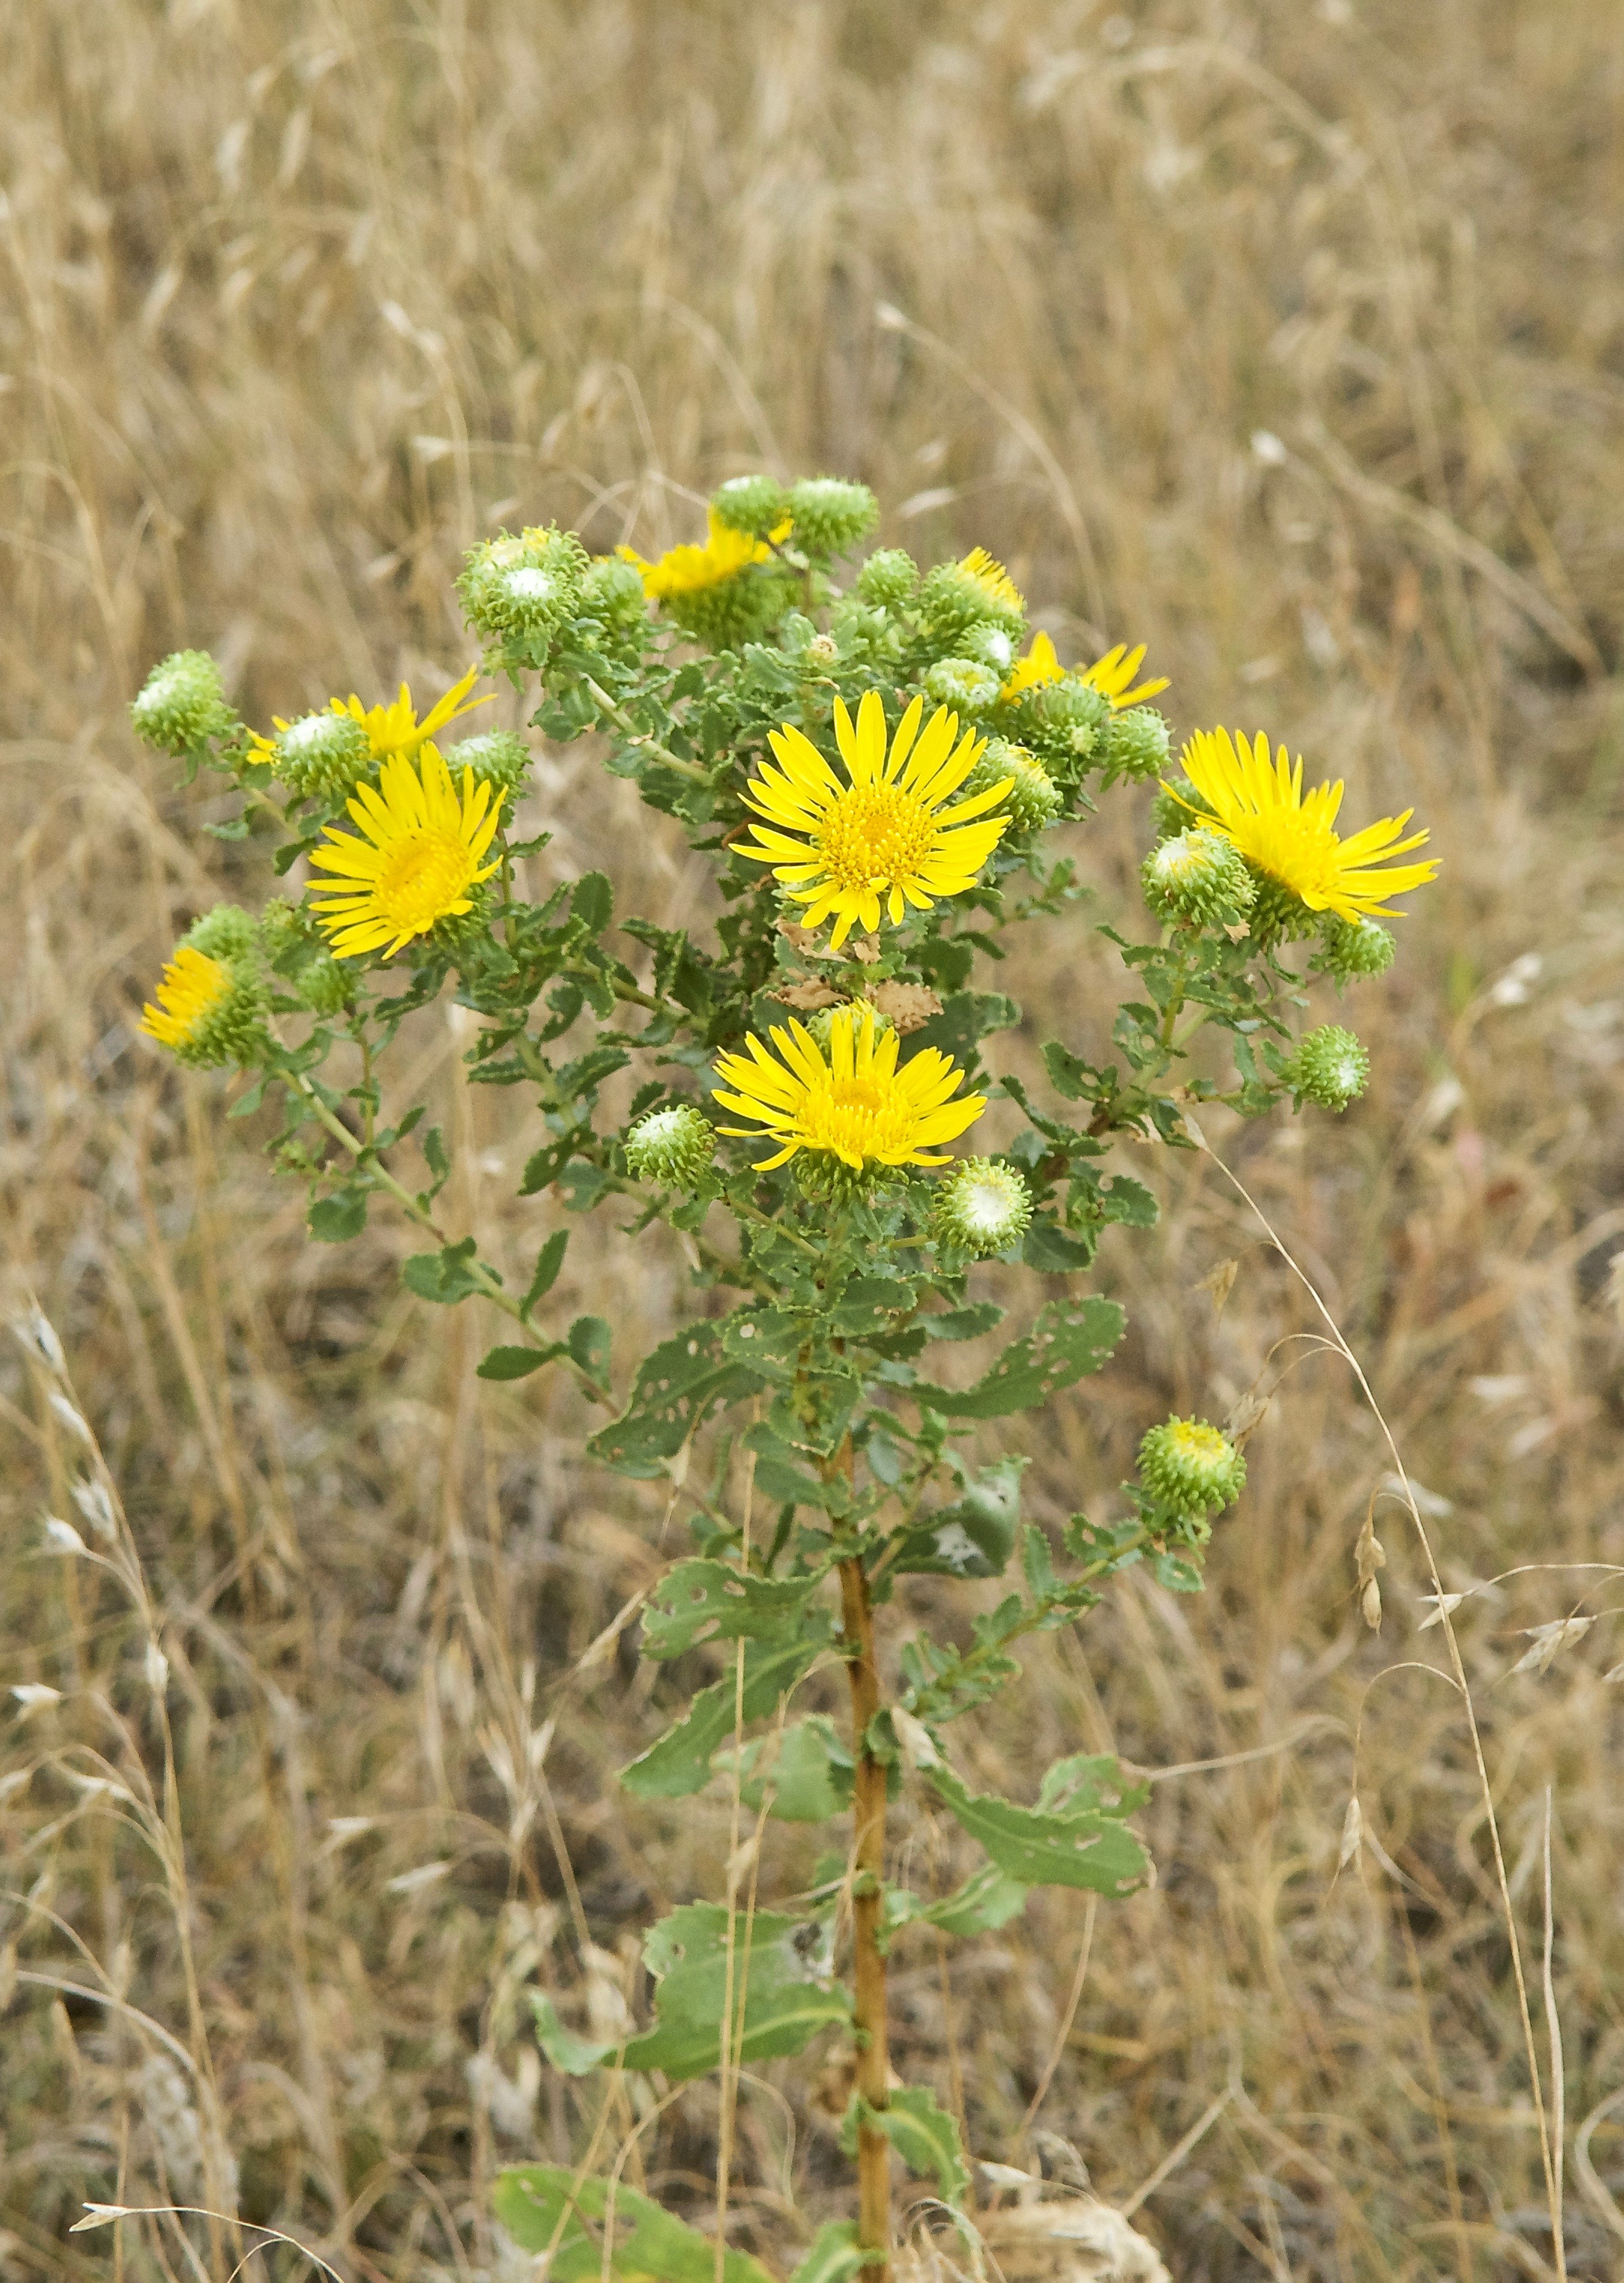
x=883 y=772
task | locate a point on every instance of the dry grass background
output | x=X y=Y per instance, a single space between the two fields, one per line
x=298 y=298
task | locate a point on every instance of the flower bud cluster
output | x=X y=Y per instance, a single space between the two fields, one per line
x=1134 y=744
x=182 y=704
x=756 y=505
x=498 y=756
x=889 y=579
x=611 y=596
x=1063 y=722
x=1351 y=949
x=960 y=683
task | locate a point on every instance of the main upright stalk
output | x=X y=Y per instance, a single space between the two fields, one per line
x=874 y=2066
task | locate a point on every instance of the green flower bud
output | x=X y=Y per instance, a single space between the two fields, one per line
x=181 y=703
x=1188 y=1465
x=1197 y=879
x=1349 y=948
x=226 y=933
x=989 y=646
x=756 y=505
x=323 y=755
x=612 y=590
x=830 y=516
x=525 y=586
x=890 y=578
x=1168 y=813
x=498 y=756
x=1033 y=800
x=981 y=1207
x=737 y=610
x=671 y=1147
x=1134 y=744
x=1329 y=1069
x=977 y=592
x=1068 y=712
x=324 y=986
x=823 y=1179
x=962 y=684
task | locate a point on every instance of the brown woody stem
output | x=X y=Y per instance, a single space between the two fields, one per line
x=874 y=2070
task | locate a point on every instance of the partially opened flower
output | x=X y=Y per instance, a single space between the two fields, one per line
x=692 y=569
x=418 y=860
x=1288 y=835
x=856 y=1107
x=395 y=729
x=1111 y=675
x=211 y=1006
x=322 y=751
x=889 y=835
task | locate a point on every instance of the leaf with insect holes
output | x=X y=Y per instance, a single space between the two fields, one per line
x=445 y=1275
x=680 y=1764
x=802 y=1774
x=708 y=1600
x=676 y=1388
x=1069 y=1339
x=593 y=2229
x=972 y=1538
x=778 y=1975
x=1077 y=1837
x=924 y=2136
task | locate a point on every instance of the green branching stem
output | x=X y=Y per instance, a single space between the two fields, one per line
x=633 y=735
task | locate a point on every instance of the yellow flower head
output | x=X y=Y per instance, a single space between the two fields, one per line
x=986 y=572
x=417 y=861
x=858 y=1107
x=194 y=988
x=893 y=835
x=692 y=569
x=396 y=728
x=1259 y=805
x=390 y=728
x=1110 y=676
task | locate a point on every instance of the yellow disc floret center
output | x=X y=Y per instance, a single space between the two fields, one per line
x=875 y=834
x=423 y=875
x=1195 y=1439
x=856 y=1118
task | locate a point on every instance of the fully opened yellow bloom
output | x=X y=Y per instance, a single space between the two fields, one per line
x=1110 y=676
x=1261 y=806
x=194 y=988
x=892 y=836
x=858 y=1106
x=691 y=569
x=417 y=861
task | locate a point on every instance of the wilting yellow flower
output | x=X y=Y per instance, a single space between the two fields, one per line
x=1261 y=806
x=892 y=836
x=418 y=861
x=194 y=988
x=392 y=729
x=691 y=569
x=1110 y=676
x=858 y=1106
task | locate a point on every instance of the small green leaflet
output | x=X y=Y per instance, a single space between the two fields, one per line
x=334 y=1220
x=445 y=1275
x=986 y=1901
x=550 y=1260
x=676 y=1388
x=1077 y=1837
x=832 y=2254
x=516 y=1363
x=1069 y=1339
x=707 y=1601
x=680 y=1764
x=779 y=1972
x=924 y=2136
x=807 y=1778
x=594 y=2229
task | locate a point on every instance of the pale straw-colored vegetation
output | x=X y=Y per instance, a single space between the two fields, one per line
x=1288 y=339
